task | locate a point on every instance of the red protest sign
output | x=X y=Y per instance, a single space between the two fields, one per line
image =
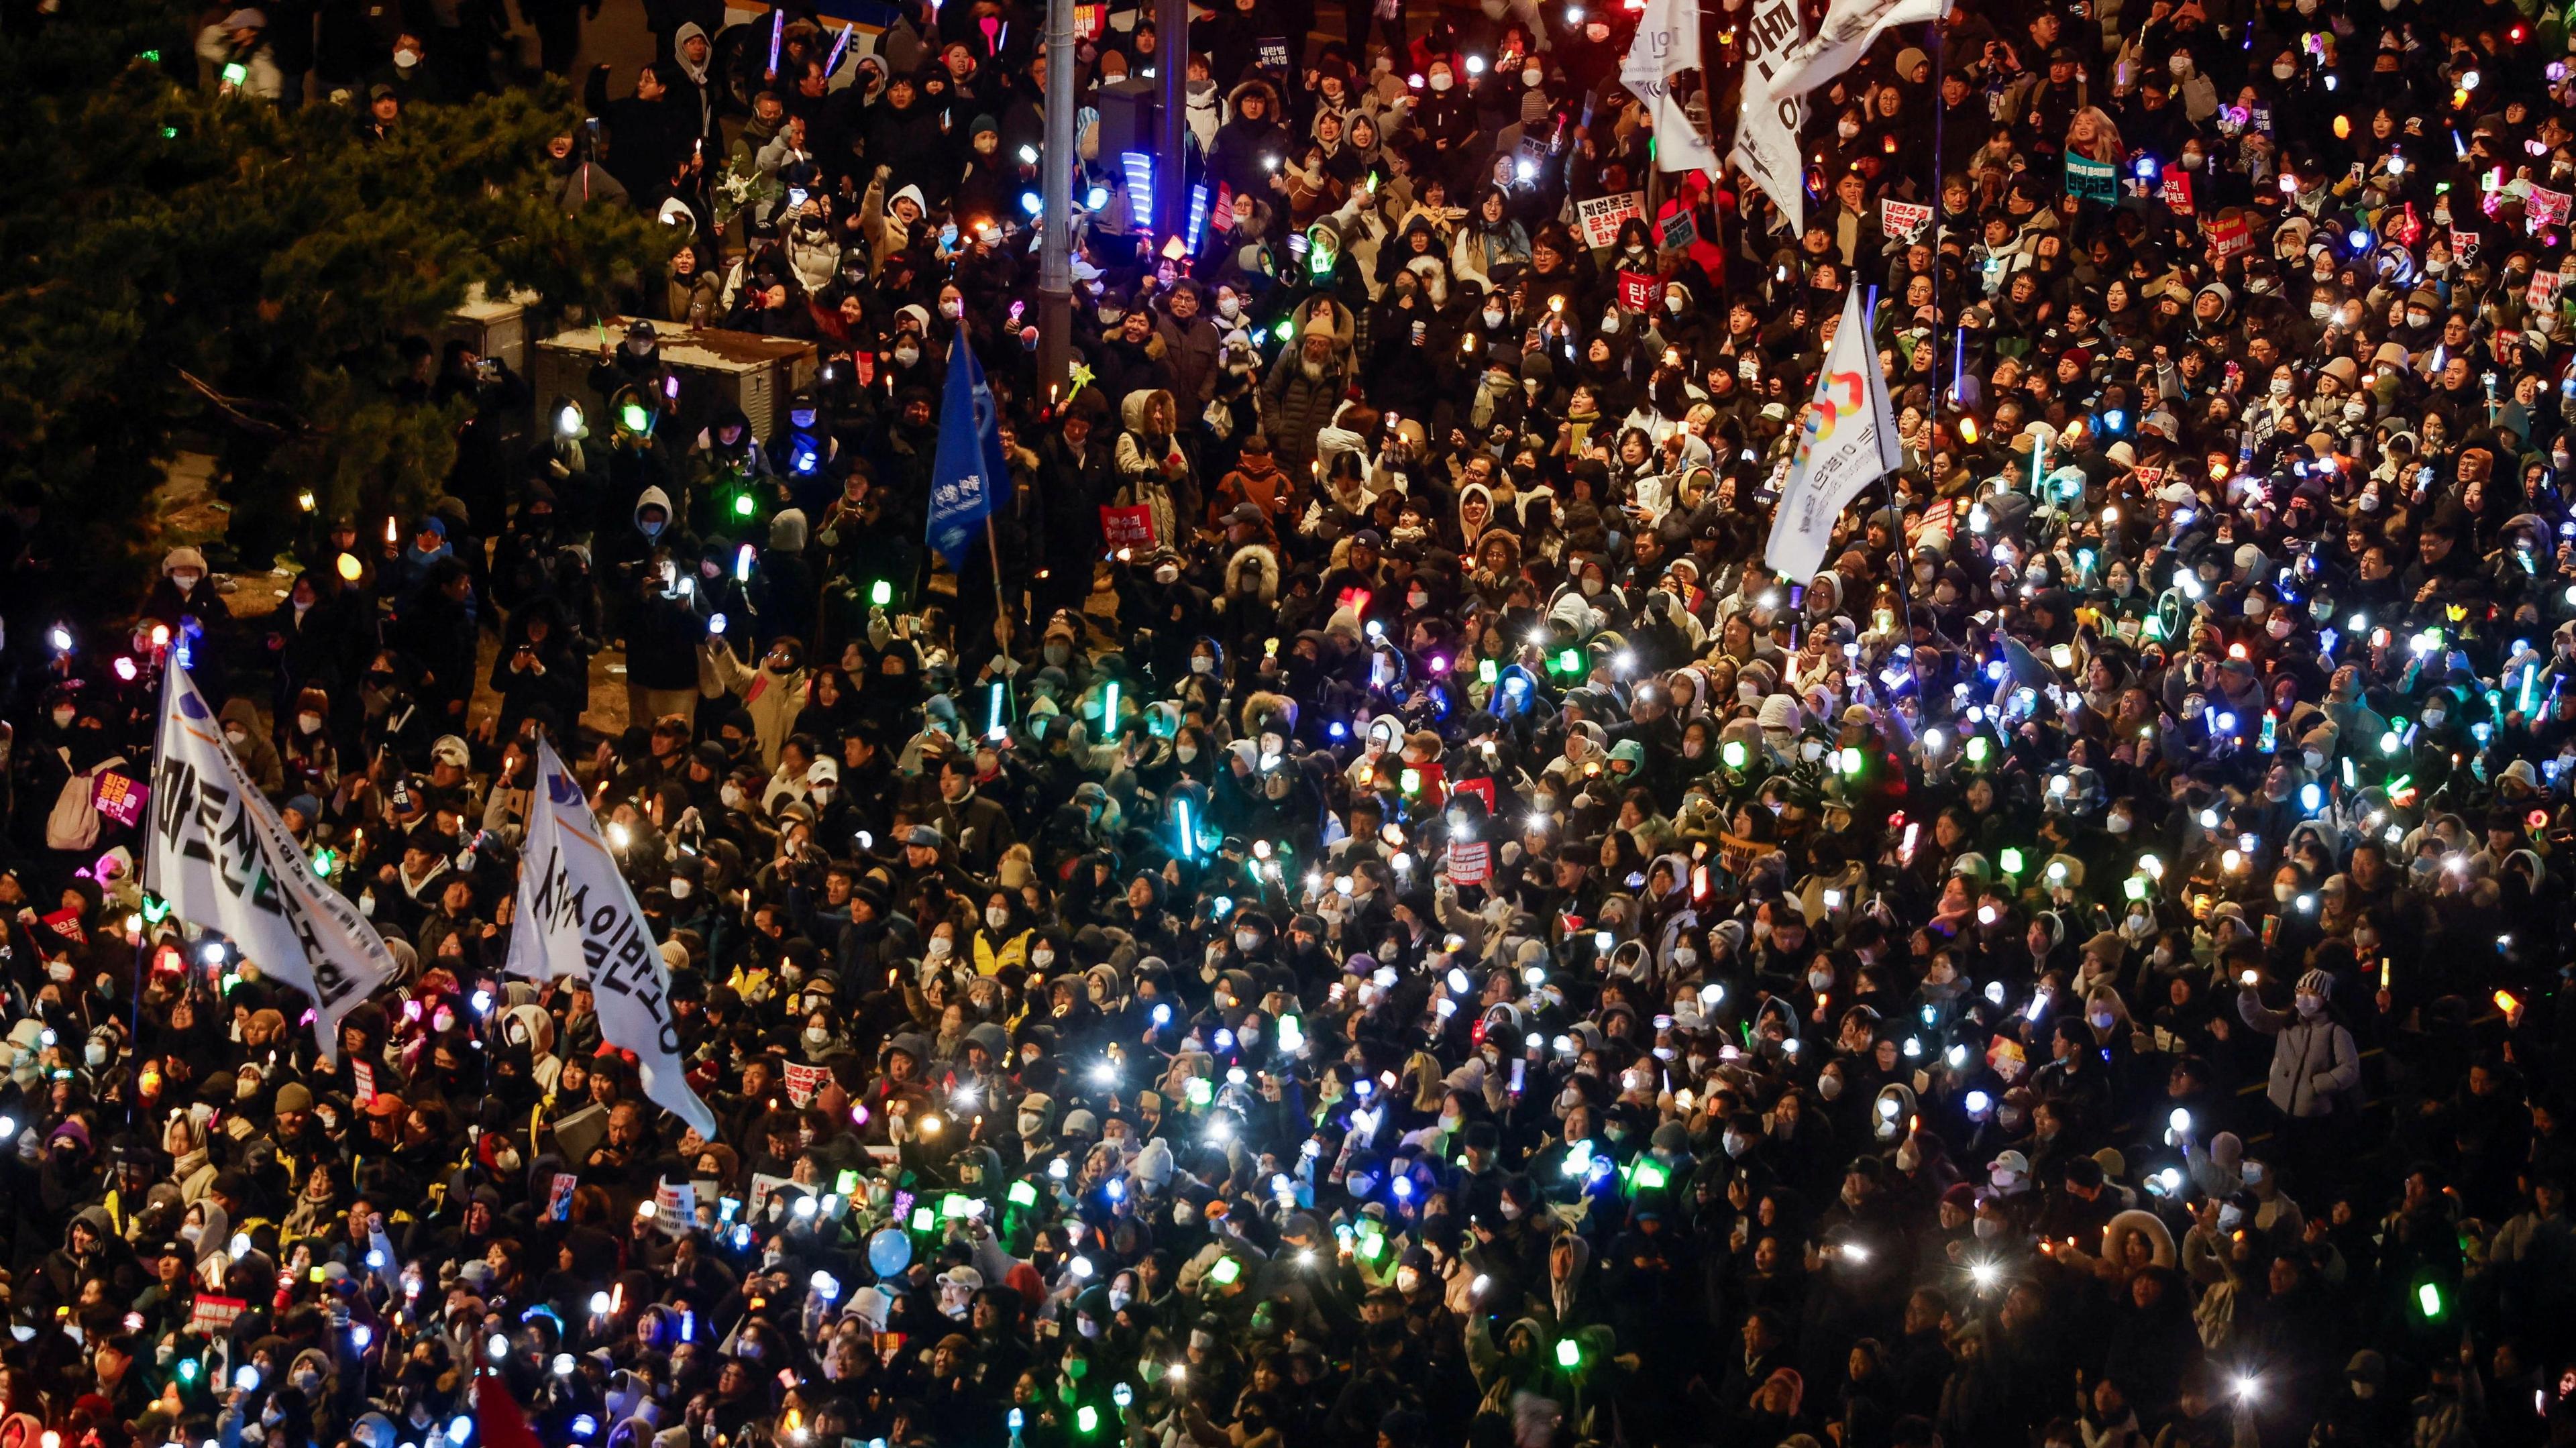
x=1636 y=291
x=2231 y=236
x=213 y=1316
x=118 y=798
x=2176 y=192
x=1471 y=863
x=1128 y=527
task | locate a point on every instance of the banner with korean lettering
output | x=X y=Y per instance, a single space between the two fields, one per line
x=224 y=860
x=1767 y=121
x=578 y=917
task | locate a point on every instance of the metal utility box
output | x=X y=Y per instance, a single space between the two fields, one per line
x=492 y=329
x=715 y=367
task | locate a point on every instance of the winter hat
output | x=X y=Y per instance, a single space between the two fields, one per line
x=2316 y=982
x=182 y=557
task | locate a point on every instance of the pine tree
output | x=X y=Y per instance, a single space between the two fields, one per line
x=183 y=264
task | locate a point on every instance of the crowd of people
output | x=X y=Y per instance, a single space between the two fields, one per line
x=1368 y=910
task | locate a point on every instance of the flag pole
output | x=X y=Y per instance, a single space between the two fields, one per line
x=1887 y=480
x=993 y=549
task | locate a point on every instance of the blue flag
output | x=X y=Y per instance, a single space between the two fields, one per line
x=969 y=479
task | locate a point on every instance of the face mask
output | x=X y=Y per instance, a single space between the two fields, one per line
x=2284 y=71
x=406 y=59
x=1246 y=939
x=1511 y=1210
x=1829 y=1087
x=1848 y=129
x=1167 y=574
x=1494 y=316
x=951 y=308
x=1441 y=82
x=940 y=946
x=1407 y=1279
x=1227 y=307
x=2101 y=1020
x=2280 y=387
x=95 y=1053
x=1202 y=664
x=1819 y=979
x=1989 y=1228
x=1532 y=75
x=2419 y=319
x=996 y=917
x=2180 y=65
x=1736 y=1145
x=309 y=723
x=1674 y=305
x=2117 y=824
x=2311 y=1006
x=906 y=356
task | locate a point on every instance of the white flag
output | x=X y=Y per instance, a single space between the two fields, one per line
x=1665 y=45
x=1767 y=119
x=1846 y=441
x=224 y=860
x=577 y=917
x=1850 y=26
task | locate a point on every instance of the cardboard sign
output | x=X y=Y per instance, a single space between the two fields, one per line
x=365 y=1076
x=804 y=1081
x=1636 y=291
x=2464 y=245
x=1089 y=21
x=1273 y=52
x=762 y=1186
x=2148 y=475
x=213 y=1316
x=1471 y=862
x=1899 y=220
x=2176 y=192
x=676 y=1205
x=1738 y=854
x=2091 y=180
x=1128 y=527
x=1677 y=231
x=118 y=798
x=66 y=923
x=559 y=1196
x=2542 y=294
x=2230 y=237
x=1601 y=216
x=1937 y=518
x=2544 y=207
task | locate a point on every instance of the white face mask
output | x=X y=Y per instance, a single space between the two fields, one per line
x=996 y=917
x=906 y=356
x=2311 y=1006
x=1185 y=753
x=940 y=946
x=1042 y=957
x=731 y=794
x=1532 y=75
x=1202 y=664
x=1829 y=1087
x=682 y=887
x=1246 y=939
x=1227 y=307
x=1441 y=82
x=309 y=723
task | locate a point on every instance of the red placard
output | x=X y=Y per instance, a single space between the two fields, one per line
x=213 y=1316
x=1128 y=527
x=1636 y=291
x=119 y=798
x=2231 y=236
x=1471 y=863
